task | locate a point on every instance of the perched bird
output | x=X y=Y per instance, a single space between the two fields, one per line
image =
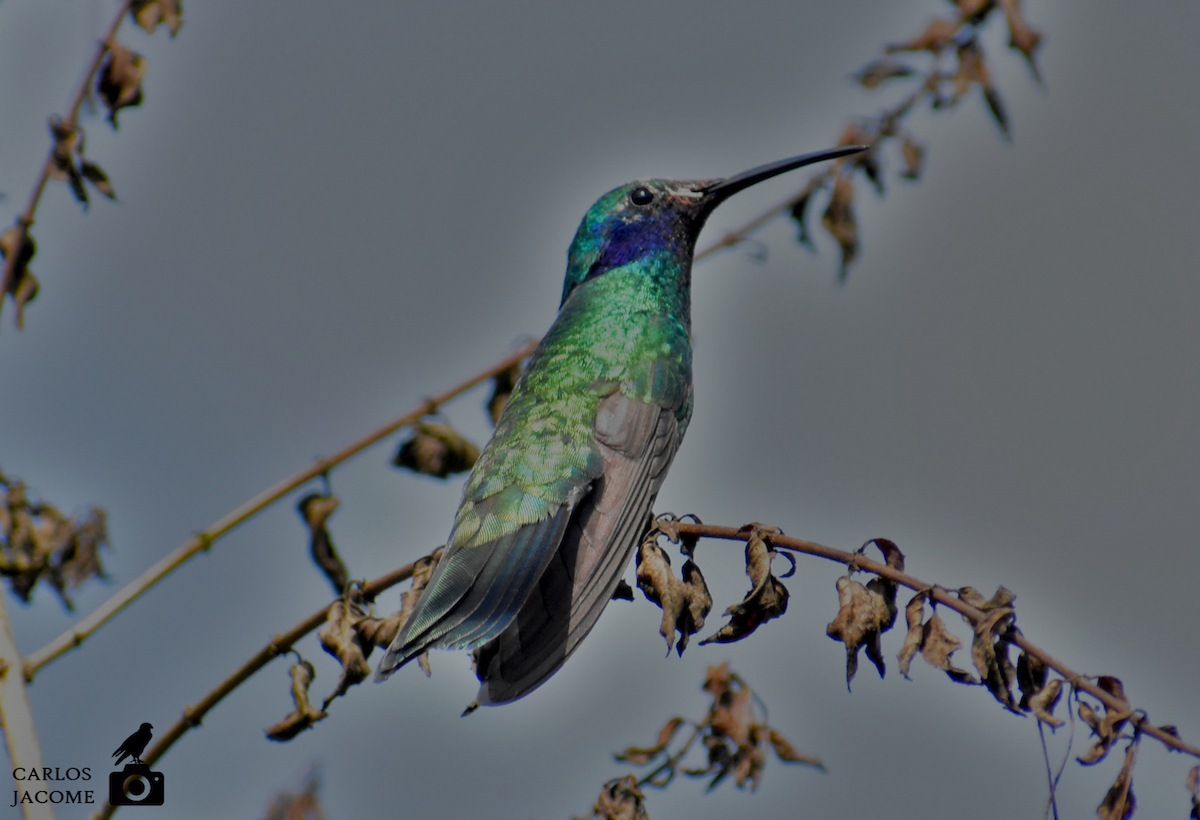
x=561 y=495
x=134 y=745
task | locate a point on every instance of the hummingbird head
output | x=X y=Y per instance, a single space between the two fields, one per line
x=656 y=217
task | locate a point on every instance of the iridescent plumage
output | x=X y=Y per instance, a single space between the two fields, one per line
x=561 y=494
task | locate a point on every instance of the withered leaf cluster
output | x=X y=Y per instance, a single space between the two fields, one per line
x=955 y=65
x=119 y=84
x=315 y=509
x=767 y=598
x=437 y=449
x=685 y=601
x=351 y=633
x=502 y=387
x=931 y=639
x=734 y=734
x=958 y=38
x=866 y=612
x=1106 y=725
x=1039 y=696
x=37 y=542
x=304 y=715
x=70 y=164
x=620 y=799
x=990 y=648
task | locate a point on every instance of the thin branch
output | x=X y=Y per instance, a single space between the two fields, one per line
x=25 y=219
x=15 y=716
x=78 y=633
x=194 y=714
x=941 y=596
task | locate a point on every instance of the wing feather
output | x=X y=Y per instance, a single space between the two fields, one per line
x=637 y=441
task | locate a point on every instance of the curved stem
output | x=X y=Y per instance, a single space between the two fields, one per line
x=280 y=644
x=944 y=598
x=16 y=718
x=78 y=633
x=25 y=219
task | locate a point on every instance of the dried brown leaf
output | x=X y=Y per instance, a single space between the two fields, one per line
x=76 y=552
x=96 y=176
x=1119 y=803
x=1002 y=597
x=937 y=645
x=340 y=638
x=620 y=799
x=119 y=84
x=799 y=212
x=1106 y=727
x=767 y=598
x=67 y=141
x=1022 y=36
x=914 y=615
x=315 y=510
x=1031 y=677
x=149 y=13
x=972 y=70
x=839 y=220
x=21 y=285
x=863 y=615
x=304 y=715
x=1042 y=704
x=788 y=754
x=685 y=602
x=880 y=71
x=436 y=449
x=989 y=652
x=380 y=631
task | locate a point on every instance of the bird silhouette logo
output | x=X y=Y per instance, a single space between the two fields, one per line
x=135 y=784
x=134 y=745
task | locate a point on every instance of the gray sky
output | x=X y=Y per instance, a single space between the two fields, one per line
x=330 y=211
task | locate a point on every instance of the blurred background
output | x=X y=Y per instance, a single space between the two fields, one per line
x=329 y=211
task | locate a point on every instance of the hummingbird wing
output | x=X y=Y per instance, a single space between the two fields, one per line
x=516 y=507
x=637 y=442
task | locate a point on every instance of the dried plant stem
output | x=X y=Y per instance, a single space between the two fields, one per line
x=194 y=714
x=204 y=540
x=15 y=716
x=25 y=219
x=944 y=598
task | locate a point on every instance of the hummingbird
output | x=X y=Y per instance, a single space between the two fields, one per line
x=562 y=493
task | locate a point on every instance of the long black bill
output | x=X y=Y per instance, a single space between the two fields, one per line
x=726 y=188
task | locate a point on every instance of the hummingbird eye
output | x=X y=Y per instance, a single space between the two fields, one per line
x=641 y=196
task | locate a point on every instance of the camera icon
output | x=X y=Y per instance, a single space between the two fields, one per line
x=135 y=785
